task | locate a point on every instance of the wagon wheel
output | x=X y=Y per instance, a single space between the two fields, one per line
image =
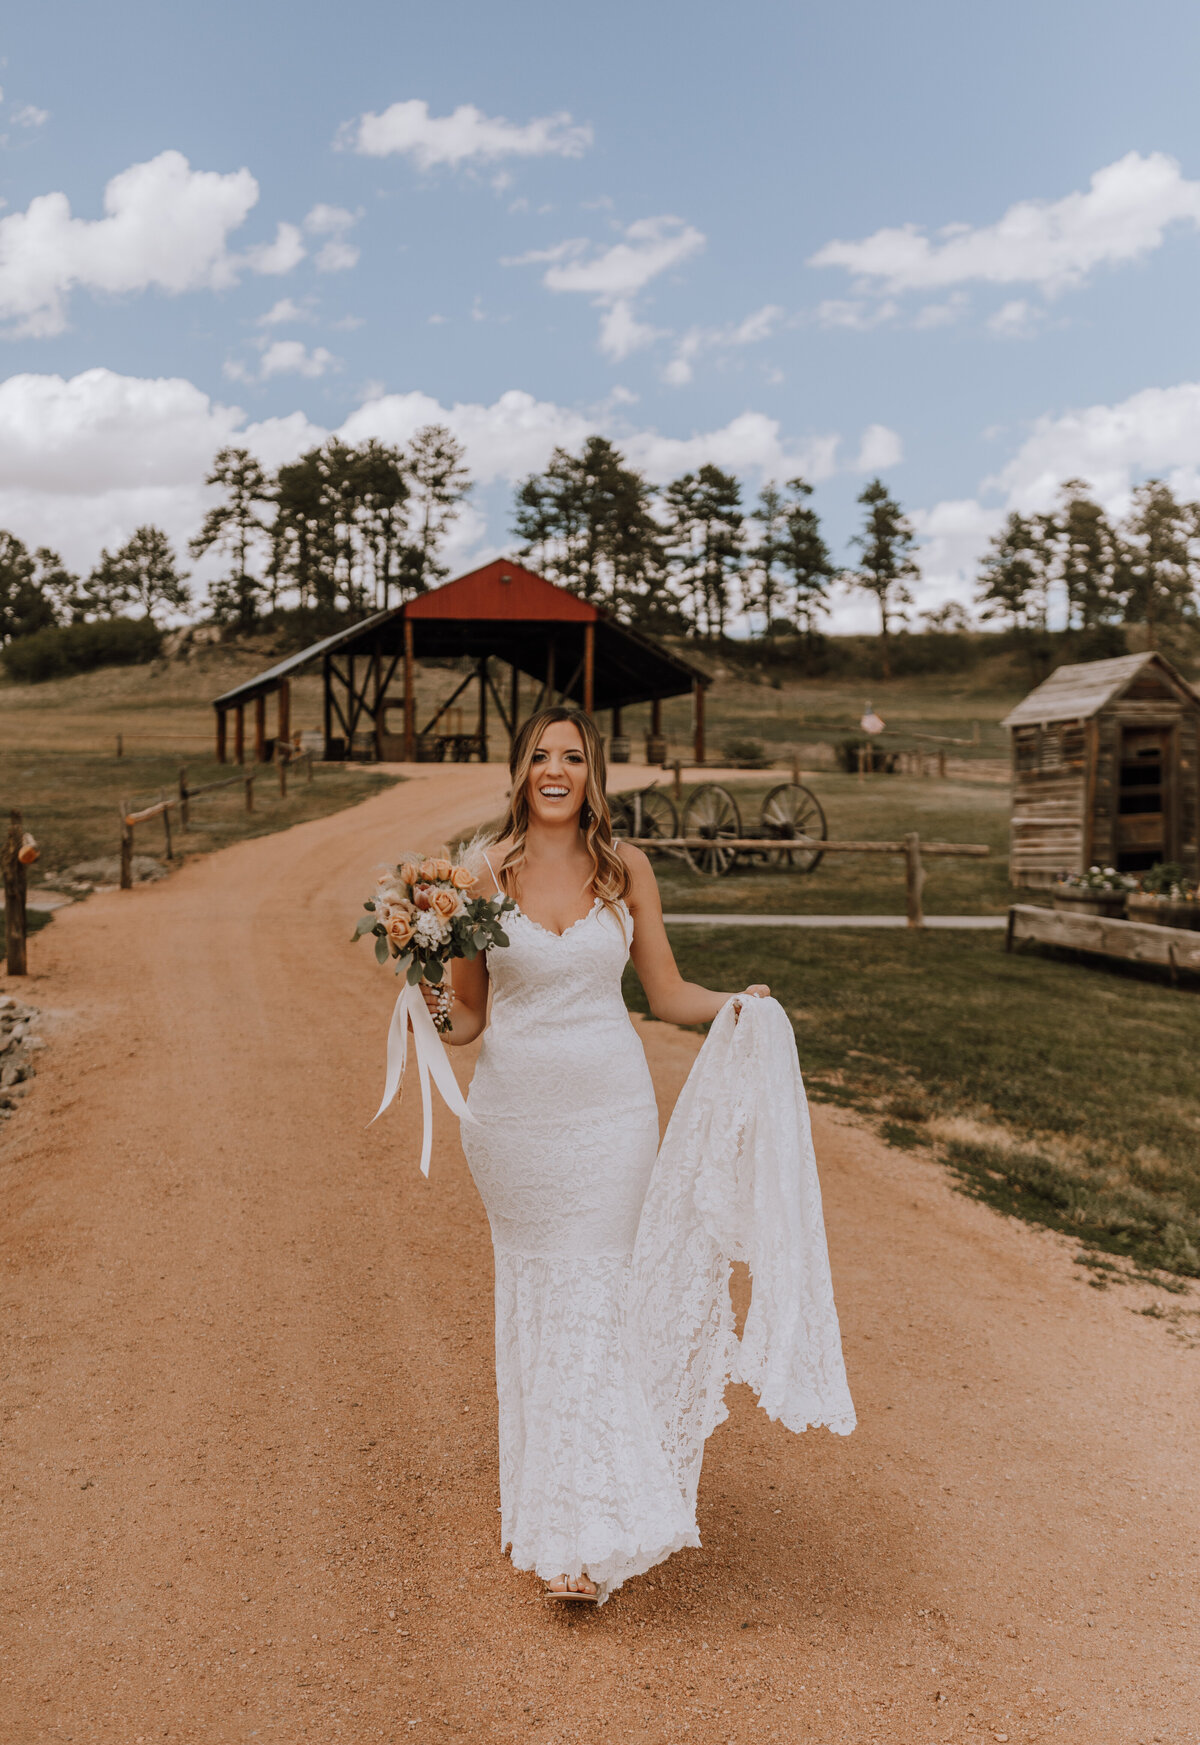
x=621 y=813
x=653 y=814
x=711 y=812
x=792 y=810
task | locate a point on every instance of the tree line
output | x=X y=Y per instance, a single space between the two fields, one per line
x=347 y=529
x=1141 y=569
x=341 y=531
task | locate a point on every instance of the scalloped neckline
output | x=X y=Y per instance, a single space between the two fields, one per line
x=549 y=931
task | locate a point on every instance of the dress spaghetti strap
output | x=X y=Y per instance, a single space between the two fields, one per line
x=491 y=869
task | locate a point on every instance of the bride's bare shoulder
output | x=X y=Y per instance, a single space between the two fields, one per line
x=638 y=863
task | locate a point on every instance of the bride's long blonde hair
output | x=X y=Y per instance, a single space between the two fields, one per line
x=610 y=876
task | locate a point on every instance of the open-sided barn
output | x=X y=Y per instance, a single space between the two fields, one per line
x=1106 y=766
x=571 y=650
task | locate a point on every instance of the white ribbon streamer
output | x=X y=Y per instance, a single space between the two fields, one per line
x=432 y=1063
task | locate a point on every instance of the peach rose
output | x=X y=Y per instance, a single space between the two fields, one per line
x=428 y=869
x=446 y=904
x=409 y=874
x=442 y=870
x=462 y=878
x=400 y=929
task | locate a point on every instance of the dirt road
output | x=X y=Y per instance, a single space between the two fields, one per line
x=248 y=1433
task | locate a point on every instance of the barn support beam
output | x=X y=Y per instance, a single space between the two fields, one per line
x=220 y=736
x=239 y=733
x=410 y=701
x=283 y=713
x=589 y=667
x=482 y=728
x=260 y=728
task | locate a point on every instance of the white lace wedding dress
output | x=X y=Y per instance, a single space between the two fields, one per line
x=611 y=1364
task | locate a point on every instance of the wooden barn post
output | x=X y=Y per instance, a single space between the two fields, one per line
x=327 y=700
x=410 y=701
x=514 y=702
x=549 y=672
x=220 y=736
x=283 y=712
x=482 y=730
x=239 y=733
x=260 y=728
x=589 y=667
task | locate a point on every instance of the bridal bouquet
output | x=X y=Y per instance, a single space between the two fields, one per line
x=420 y=915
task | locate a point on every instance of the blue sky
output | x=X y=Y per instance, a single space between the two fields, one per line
x=712 y=233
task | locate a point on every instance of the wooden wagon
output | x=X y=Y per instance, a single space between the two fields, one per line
x=1106 y=770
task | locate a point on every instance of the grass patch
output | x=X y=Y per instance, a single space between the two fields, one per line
x=884 y=807
x=1055 y=1092
x=70 y=802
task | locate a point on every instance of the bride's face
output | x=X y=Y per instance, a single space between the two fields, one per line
x=558 y=775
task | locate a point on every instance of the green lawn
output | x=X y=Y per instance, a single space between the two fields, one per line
x=881 y=807
x=70 y=801
x=1064 y=1094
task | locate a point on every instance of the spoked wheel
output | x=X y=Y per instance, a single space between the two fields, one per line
x=792 y=810
x=621 y=813
x=653 y=815
x=711 y=812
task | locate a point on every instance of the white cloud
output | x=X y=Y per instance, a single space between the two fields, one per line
x=854 y=313
x=284 y=310
x=336 y=256
x=465 y=136
x=1055 y=244
x=880 y=448
x=613 y=276
x=749 y=443
x=30 y=116
x=754 y=328
x=622 y=333
x=280 y=256
x=284 y=357
x=166 y=226
x=506 y=440
x=325 y=220
x=1015 y=319
x=650 y=246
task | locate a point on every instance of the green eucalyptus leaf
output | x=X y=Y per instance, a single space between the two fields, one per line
x=403 y=962
x=381 y=950
x=415 y=972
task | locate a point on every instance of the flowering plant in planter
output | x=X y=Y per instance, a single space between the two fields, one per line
x=1168 y=882
x=1098 y=880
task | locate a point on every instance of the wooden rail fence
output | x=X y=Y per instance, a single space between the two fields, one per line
x=911 y=847
x=163 y=806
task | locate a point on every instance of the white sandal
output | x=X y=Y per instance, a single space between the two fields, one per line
x=568 y=1593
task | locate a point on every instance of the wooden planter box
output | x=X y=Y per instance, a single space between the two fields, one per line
x=1175 y=948
x=1162 y=912
x=1107 y=904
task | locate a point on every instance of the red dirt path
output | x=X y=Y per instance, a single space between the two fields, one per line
x=249 y=1427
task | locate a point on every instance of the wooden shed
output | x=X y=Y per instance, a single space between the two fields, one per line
x=1106 y=757
x=572 y=651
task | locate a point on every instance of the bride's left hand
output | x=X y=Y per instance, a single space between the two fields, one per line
x=758 y=991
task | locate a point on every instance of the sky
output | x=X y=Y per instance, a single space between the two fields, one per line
x=951 y=245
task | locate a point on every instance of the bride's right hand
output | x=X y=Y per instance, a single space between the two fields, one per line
x=430 y=996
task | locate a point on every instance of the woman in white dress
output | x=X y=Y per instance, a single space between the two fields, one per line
x=563 y=1148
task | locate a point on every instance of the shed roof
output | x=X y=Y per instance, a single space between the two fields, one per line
x=492 y=611
x=1074 y=693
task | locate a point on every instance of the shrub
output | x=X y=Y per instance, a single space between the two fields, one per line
x=77 y=648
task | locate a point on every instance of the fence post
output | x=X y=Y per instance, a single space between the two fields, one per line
x=14 y=898
x=942 y=764
x=678 y=778
x=183 y=800
x=796 y=770
x=120 y=745
x=250 y=793
x=862 y=762
x=126 y=848
x=283 y=778
x=914 y=878
x=310 y=766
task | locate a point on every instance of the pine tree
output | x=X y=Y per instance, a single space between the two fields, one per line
x=886 y=544
x=438 y=484
x=793 y=567
x=586 y=522
x=24 y=605
x=1158 y=559
x=1013 y=575
x=1085 y=548
x=705 y=539
x=142 y=574
x=237 y=527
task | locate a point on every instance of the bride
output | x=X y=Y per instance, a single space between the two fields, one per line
x=562 y=1147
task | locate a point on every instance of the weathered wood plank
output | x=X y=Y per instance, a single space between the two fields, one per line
x=1135 y=941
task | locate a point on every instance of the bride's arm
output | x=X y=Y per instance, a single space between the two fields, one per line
x=671 y=998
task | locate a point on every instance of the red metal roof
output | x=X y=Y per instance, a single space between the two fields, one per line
x=499 y=590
